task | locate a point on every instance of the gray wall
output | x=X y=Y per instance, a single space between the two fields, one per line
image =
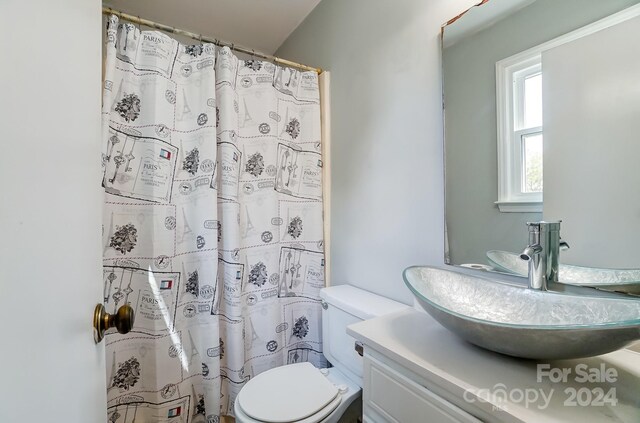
x=591 y=109
x=474 y=222
x=387 y=166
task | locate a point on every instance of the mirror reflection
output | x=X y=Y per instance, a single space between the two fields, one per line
x=542 y=100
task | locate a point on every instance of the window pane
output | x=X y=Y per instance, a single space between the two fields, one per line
x=532 y=160
x=533 y=101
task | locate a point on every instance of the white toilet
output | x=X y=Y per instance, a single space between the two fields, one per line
x=301 y=392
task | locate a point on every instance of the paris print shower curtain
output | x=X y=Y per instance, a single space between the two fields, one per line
x=212 y=223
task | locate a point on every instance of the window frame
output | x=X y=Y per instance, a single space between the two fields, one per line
x=510 y=76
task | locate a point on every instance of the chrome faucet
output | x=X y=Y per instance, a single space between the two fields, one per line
x=542 y=253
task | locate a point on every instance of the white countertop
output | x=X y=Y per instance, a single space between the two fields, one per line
x=414 y=340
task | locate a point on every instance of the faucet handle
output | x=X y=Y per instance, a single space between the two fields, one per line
x=550 y=225
x=564 y=245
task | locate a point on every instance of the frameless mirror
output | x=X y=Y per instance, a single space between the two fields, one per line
x=542 y=100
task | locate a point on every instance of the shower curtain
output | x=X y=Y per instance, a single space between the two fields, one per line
x=212 y=223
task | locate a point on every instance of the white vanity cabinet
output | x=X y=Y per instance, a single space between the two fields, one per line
x=416 y=371
x=394 y=394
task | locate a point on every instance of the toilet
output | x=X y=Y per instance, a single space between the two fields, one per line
x=303 y=393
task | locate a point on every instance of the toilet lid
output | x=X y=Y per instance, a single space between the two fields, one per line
x=286 y=394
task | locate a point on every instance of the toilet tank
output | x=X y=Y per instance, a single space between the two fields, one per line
x=344 y=305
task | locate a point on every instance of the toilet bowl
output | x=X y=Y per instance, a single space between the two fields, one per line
x=296 y=393
x=301 y=392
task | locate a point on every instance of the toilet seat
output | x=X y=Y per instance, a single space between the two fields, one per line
x=292 y=393
x=319 y=417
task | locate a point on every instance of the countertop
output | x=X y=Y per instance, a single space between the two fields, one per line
x=467 y=373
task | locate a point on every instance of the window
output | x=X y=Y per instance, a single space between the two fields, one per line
x=527 y=133
x=519 y=100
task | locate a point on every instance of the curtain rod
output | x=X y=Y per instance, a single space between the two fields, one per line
x=199 y=37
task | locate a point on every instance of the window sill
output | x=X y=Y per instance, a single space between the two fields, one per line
x=519 y=206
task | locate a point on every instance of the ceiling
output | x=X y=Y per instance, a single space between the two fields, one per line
x=255 y=24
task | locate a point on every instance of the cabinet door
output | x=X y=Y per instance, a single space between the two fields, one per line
x=391 y=397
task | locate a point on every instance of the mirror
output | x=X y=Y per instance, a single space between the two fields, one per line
x=541 y=100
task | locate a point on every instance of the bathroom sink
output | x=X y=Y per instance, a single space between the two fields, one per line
x=521 y=322
x=620 y=280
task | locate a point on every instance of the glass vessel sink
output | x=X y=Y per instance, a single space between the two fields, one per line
x=619 y=280
x=521 y=322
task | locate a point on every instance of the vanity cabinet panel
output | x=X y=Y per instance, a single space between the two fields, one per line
x=389 y=396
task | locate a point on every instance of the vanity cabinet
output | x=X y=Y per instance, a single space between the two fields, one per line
x=416 y=371
x=394 y=394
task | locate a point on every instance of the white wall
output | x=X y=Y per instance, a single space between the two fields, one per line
x=591 y=92
x=386 y=117
x=50 y=212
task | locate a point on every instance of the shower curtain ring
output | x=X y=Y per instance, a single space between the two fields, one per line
x=139 y=27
